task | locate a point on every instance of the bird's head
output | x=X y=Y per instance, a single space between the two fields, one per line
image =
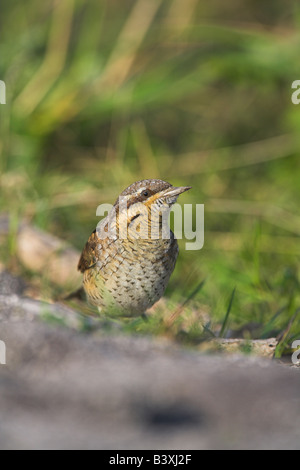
x=139 y=202
x=151 y=192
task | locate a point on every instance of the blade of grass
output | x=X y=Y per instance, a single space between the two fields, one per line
x=178 y=311
x=282 y=340
x=54 y=60
x=130 y=38
x=265 y=333
x=225 y=321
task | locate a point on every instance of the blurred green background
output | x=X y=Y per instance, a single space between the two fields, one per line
x=103 y=93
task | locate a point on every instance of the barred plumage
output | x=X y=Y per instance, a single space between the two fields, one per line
x=126 y=276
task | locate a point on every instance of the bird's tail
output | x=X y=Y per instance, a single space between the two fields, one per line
x=77 y=294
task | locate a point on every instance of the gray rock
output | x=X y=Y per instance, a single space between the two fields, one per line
x=62 y=389
x=10 y=284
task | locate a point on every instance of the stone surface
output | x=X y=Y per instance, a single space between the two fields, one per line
x=62 y=389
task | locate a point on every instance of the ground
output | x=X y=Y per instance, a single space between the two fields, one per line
x=61 y=388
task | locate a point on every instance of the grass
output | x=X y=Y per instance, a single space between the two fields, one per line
x=101 y=95
x=225 y=321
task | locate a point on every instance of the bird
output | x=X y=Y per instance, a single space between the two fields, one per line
x=130 y=256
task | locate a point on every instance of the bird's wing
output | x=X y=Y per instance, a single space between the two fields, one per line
x=88 y=256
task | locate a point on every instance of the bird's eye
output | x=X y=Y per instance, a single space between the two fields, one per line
x=145 y=193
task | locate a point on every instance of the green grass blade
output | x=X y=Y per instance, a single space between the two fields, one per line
x=225 y=321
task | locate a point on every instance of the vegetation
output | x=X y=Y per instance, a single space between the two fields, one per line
x=102 y=93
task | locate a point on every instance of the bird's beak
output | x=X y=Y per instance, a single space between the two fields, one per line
x=176 y=191
x=171 y=194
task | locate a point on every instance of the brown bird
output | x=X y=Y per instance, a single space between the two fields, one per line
x=130 y=256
